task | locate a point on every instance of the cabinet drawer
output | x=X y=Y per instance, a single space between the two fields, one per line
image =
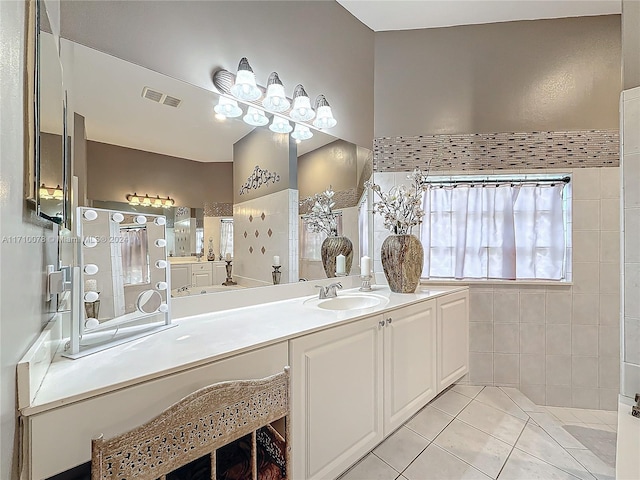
x=201 y=267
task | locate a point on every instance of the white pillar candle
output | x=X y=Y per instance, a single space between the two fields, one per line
x=340 y=264
x=227 y=257
x=365 y=266
x=276 y=260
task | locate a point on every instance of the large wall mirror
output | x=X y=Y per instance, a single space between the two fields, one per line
x=147 y=143
x=48 y=167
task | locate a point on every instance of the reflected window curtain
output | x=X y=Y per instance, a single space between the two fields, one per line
x=226 y=238
x=363 y=227
x=135 y=264
x=311 y=242
x=488 y=232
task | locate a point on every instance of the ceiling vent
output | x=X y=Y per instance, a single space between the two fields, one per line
x=160 y=97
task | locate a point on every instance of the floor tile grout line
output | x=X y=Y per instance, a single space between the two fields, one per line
x=512 y=449
x=491 y=434
x=416 y=457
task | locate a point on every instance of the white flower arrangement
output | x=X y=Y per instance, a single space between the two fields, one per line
x=401 y=208
x=321 y=218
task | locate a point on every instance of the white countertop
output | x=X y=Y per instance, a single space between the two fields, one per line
x=198 y=340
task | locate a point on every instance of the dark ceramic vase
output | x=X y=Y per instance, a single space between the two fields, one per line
x=331 y=248
x=402 y=259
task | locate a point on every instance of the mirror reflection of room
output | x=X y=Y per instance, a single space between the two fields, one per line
x=229 y=190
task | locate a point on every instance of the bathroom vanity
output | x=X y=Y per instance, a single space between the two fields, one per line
x=361 y=365
x=196 y=274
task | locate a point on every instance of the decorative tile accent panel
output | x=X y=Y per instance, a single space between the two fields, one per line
x=343 y=199
x=218 y=209
x=498 y=151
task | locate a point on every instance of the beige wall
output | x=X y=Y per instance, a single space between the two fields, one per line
x=334 y=164
x=23 y=309
x=114 y=171
x=51 y=159
x=631 y=43
x=561 y=74
x=316 y=43
x=269 y=151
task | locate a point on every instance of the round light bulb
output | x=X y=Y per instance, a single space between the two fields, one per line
x=160 y=221
x=91 y=269
x=140 y=219
x=161 y=242
x=91 y=296
x=117 y=217
x=90 y=215
x=163 y=308
x=91 y=323
x=161 y=264
x=90 y=242
x=162 y=285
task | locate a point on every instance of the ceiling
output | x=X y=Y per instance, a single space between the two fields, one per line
x=384 y=15
x=107 y=91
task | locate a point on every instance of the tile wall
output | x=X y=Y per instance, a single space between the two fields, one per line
x=262 y=228
x=558 y=344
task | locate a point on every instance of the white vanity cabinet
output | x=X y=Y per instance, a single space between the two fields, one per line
x=355 y=384
x=409 y=362
x=453 y=338
x=180 y=275
x=201 y=274
x=336 y=384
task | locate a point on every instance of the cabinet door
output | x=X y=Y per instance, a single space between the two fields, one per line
x=180 y=276
x=409 y=362
x=219 y=274
x=336 y=396
x=201 y=279
x=453 y=338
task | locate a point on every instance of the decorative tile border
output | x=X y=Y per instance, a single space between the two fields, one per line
x=498 y=151
x=218 y=209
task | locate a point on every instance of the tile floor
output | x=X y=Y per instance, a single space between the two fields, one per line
x=474 y=432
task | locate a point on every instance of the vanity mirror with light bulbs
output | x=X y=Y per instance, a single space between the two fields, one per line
x=145 y=135
x=122 y=282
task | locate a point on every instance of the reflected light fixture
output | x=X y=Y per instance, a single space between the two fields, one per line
x=245 y=87
x=280 y=125
x=301 y=132
x=275 y=100
x=255 y=117
x=301 y=110
x=324 y=115
x=146 y=201
x=227 y=108
x=50 y=193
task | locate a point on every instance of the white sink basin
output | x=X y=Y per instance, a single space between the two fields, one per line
x=347 y=302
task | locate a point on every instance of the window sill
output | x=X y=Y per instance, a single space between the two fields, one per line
x=532 y=283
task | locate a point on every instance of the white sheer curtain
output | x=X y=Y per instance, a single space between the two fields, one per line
x=506 y=232
x=226 y=237
x=135 y=261
x=311 y=242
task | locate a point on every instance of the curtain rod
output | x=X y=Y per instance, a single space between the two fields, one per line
x=498 y=181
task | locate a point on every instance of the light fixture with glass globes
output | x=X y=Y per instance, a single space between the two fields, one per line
x=301 y=110
x=245 y=87
x=324 y=115
x=255 y=117
x=242 y=88
x=280 y=125
x=147 y=201
x=275 y=99
x=301 y=132
x=50 y=193
x=227 y=108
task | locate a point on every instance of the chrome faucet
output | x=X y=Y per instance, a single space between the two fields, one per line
x=330 y=291
x=183 y=289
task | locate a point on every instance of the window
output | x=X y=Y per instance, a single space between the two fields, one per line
x=135 y=258
x=492 y=229
x=226 y=237
x=311 y=242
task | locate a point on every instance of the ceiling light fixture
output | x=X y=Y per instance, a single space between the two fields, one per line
x=245 y=87
x=280 y=125
x=301 y=110
x=301 y=132
x=255 y=117
x=324 y=115
x=50 y=193
x=275 y=100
